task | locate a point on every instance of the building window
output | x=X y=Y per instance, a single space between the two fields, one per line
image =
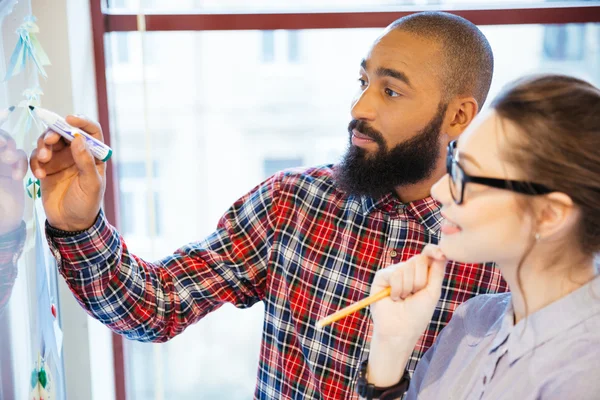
x=273 y=165
x=564 y=42
x=117 y=3
x=293 y=46
x=268 y=46
x=134 y=208
x=126 y=217
x=122 y=50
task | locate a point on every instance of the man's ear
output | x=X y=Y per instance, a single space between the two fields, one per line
x=460 y=113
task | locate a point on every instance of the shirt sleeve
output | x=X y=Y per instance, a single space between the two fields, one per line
x=432 y=364
x=156 y=301
x=11 y=246
x=416 y=382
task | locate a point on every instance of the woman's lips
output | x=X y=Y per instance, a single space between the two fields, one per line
x=449 y=227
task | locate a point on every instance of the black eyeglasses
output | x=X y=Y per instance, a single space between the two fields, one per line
x=459 y=179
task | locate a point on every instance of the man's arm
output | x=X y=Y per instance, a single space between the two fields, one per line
x=11 y=246
x=156 y=301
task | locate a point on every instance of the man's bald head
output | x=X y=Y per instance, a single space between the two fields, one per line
x=468 y=62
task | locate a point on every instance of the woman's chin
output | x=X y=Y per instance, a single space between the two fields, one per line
x=457 y=251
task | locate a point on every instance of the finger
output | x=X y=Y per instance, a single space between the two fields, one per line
x=381 y=280
x=91 y=127
x=48 y=144
x=50 y=137
x=433 y=251
x=408 y=277
x=397 y=283
x=60 y=161
x=90 y=181
x=421 y=274
x=54 y=140
x=44 y=150
x=36 y=167
x=435 y=278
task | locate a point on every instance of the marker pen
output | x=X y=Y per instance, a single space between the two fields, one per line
x=4 y=114
x=58 y=124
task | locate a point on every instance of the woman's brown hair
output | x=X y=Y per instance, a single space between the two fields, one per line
x=559 y=144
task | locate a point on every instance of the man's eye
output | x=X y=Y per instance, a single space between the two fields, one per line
x=362 y=82
x=391 y=93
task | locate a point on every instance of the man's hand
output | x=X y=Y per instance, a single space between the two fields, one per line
x=72 y=180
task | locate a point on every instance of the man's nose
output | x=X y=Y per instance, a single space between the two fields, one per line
x=363 y=107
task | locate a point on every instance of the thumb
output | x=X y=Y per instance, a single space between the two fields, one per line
x=437 y=271
x=84 y=160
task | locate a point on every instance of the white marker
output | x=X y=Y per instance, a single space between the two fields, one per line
x=4 y=114
x=58 y=124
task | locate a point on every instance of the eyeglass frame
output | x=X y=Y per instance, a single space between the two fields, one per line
x=522 y=187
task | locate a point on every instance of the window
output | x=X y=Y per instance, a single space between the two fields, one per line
x=30 y=311
x=280 y=46
x=273 y=165
x=234 y=6
x=122 y=52
x=218 y=130
x=136 y=170
x=268 y=46
x=293 y=46
x=564 y=42
x=127 y=205
x=134 y=202
x=120 y=4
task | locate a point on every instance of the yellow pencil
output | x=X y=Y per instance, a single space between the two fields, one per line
x=359 y=305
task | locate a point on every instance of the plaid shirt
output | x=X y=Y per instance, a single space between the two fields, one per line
x=295 y=242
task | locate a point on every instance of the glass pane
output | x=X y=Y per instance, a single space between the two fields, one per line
x=223 y=114
x=225 y=6
x=30 y=313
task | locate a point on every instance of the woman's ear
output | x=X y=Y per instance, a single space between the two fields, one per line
x=556 y=215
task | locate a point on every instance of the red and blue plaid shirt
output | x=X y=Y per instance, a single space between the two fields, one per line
x=295 y=242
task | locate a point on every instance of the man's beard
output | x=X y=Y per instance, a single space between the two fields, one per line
x=409 y=162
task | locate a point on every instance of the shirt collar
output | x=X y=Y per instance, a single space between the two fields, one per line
x=426 y=211
x=388 y=203
x=549 y=322
x=504 y=328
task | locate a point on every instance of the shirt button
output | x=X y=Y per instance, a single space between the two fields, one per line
x=484 y=380
x=393 y=253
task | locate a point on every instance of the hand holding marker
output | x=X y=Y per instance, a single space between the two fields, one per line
x=58 y=124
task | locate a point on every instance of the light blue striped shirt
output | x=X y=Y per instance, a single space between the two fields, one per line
x=482 y=354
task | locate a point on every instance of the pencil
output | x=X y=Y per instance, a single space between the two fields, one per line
x=359 y=305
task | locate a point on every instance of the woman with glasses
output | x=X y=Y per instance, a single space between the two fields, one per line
x=522 y=189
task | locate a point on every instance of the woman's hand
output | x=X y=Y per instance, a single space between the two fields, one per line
x=400 y=319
